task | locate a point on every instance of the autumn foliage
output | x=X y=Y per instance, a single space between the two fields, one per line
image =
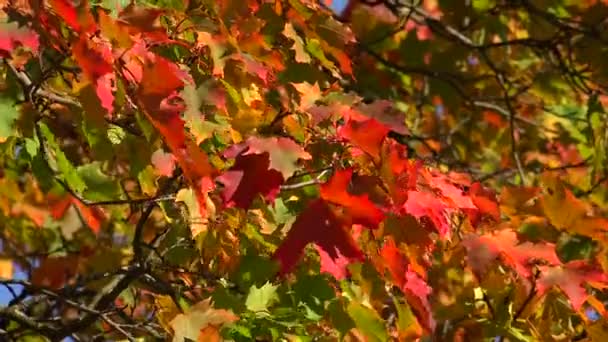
x=277 y=170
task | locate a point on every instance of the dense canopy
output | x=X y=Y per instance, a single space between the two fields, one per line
x=278 y=170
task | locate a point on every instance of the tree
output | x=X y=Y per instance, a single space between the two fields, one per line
x=272 y=170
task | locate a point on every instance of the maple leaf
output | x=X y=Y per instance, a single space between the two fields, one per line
x=96 y=60
x=283 y=153
x=301 y=56
x=309 y=94
x=54 y=272
x=395 y=262
x=161 y=78
x=570 y=279
x=164 y=163
x=216 y=47
x=104 y=88
x=342 y=58
x=335 y=265
x=6 y=268
x=79 y=18
x=319 y=225
x=569 y=213
x=259 y=299
x=92 y=216
x=94 y=63
x=253 y=67
x=198 y=223
x=520 y=200
x=385 y=112
x=116 y=32
x=453 y=194
x=359 y=209
x=485 y=201
x=34 y=213
x=261 y=166
x=248 y=177
x=483 y=250
x=197 y=318
x=423 y=204
x=410 y=283
x=143 y=19
x=367 y=135
x=12 y=36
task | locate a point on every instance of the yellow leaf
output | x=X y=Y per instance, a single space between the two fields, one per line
x=6 y=268
x=167 y=311
x=197 y=223
x=200 y=316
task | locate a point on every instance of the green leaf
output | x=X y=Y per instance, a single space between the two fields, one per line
x=147 y=180
x=9 y=114
x=313 y=291
x=254 y=270
x=115 y=5
x=313 y=46
x=483 y=5
x=259 y=299
x=100 y=187
x=406 y=320
x=519 y=335
x=575 y=247
x=116 y=134
x=368 y=322
x=94 y=125
x=339 y=317
x=67 y=172
x=225 y=298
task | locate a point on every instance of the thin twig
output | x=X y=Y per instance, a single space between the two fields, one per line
x=304 y=184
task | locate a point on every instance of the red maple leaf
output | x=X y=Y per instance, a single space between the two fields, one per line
x=335 y=265
x=104 y=89
x=409 y=282
x=160 y=79
x=262 y=165
x=483 y=250
x=358 y=209
x=485 y=201
x=54 y=272
x=366 y=134
x=249 y=177
x=319 y=225
x=12 y=36
x=424 y=204
x=92 y=216
x=78 y=18
x=570 y=278
x=93 y=61
x=95 y=58
x=454 y=195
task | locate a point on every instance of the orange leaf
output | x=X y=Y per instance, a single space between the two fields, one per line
x=360 y=210
x=367 y=135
